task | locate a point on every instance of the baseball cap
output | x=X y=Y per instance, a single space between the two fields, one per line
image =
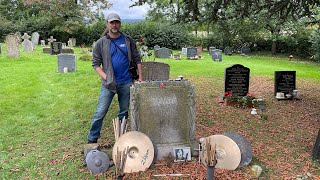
x=113 y=17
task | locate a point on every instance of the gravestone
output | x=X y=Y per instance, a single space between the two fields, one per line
x=163 y=53
x=73 y=41
x=18 y=35
x=184 y=51
x=236 y=80
x=56 y=48
x=46 y=50
x=66 y=63
x=67 y=51
x=284 y=81
x=156 y=47
x=245 y=50
x=12 y=46
x=51 y=40
x=165 y=112
x=227 y=51
x=43 y=43
x=155 y=71
x=216 y=55
x=211 y=49
x=69 y=43
x=199 y=50
x=191 y=53
x=64 y=45
x=316 y=148
x=27 y=45
x=35 y=38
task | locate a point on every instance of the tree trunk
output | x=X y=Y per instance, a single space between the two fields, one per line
x=274 y=47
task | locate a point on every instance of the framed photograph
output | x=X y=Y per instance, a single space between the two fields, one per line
x=182 y=154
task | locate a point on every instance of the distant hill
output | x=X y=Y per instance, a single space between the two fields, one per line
x=131 y=20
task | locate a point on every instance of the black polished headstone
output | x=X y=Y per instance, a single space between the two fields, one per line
x=55 y=48
x=191 y=52
x=284 y=81
x=236 y=80
x=316 y=148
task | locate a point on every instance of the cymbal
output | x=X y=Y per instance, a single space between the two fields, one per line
x=140 y=151
x=227 y=152
x=97 y=161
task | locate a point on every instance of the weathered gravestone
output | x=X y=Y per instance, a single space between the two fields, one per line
x=316 y=148
x=66 y=63
x=216 y=55
x=165 y=112
x=184 y=51
x=51 y=40
x=163 y=53
x=69 y=43
x=18 y=35
x=64 y=45
x=156 y=47
x=155 y=71
x=285 y=82
x=227 y=51
x=191 y=53
x=73 y=41
x=236 y=80
x=43 y=43
x=67 y=51
x=199 y=50
x=56 y=48
x=245 y=50
x=211 y=49
x=27 y=45
x=12 y=46
x=35 y=38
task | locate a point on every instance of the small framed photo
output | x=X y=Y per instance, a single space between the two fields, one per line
x=182 y=154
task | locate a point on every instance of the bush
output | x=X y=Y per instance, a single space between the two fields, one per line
x=86 y=57
x=315 y=47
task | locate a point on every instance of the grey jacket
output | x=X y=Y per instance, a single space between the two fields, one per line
x=102 y=56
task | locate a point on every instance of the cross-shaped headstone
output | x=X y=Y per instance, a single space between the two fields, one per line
x=51 y=40
x=25 y=36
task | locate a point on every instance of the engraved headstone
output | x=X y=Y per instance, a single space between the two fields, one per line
x=51 y=40
x=56 y=48
x=163 y=53
x=285 y=82
x=227 y=51
x=35 y=38
x=66 y=62
x=316 y=148
x=73 y=41
x=155 y=71
x=236 y=80
x=184 y=51
x=216 y=55
x=165 y=112
x=245 y=50
x=27 y=45
x=191 y=53
x=12 y=46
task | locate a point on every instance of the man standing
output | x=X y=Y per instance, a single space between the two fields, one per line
x=112 y=55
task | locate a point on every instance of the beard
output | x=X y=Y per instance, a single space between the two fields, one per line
x=114 y=31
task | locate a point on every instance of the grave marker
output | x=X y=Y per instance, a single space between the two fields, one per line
x=155 y=71
x=245 y=50
x=191 y=53
x=35 y=38
x=163 y=53
x=184 y=51
x=51 y=40
x=216 y=55
x=73 y=41
x=316 y=148
x=56 y=48
x=66 y=62
x=284 y=81
x=27 y=45
x=12 y=46
x=211 y=49
x=18 y=36
x=236 y=80
x=165 y=112
x=227 y=51
x=43 y=43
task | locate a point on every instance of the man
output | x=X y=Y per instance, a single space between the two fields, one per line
x=114 y=51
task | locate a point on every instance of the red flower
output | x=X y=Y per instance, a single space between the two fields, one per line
x=141 y=40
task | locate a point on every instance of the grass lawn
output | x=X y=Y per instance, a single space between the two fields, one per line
x=45 y=116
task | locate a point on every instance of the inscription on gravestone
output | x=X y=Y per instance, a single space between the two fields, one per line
x=165 y=112
x=285 y=81
x=191 y=52
x=237 y=80
x=66 y=61
x=56 y=48
x=316 y=149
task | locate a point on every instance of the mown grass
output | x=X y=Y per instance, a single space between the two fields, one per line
x=45 y=115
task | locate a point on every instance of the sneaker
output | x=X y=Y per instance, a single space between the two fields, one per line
x=92 y=141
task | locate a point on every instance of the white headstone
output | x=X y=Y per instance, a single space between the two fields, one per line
x=35 y=38
x=43 y=43
x=27 y=45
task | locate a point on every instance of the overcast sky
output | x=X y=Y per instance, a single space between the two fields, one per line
x=121 y=7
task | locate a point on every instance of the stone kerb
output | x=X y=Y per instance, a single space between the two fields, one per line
x=165 y=112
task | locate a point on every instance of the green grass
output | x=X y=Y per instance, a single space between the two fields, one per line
x=46 y=115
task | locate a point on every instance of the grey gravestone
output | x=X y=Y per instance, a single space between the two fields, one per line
x=156 y=47
x=245 y=50
x=51 y=40
x=155 y=71
x=43 y=43
x=163 y=53
x=46 y=50
x=316 y=148
x=67 y=51
x=216 y=55
x=227 y=51
x=12 y=46
x=69 y=43
x=211 y=49
x=284 y=81
x=27 y=45
x=64 y=45
x=18 y=35
x=236 y=80
x=73 y=41
x=184 y=51
x=56 y=48
x=165 y=112
x=191 y=53
x=66 y=62
x=35 y=38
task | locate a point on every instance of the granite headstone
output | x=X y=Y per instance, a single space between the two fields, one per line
x=237 y=80
x=163 y=53
x=284 y=81
x=66 y=62
x=56 y=48
x=155 y=71
x=191 y=53
x=216 y=55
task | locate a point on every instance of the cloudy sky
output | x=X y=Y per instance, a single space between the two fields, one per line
x=121 y=7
